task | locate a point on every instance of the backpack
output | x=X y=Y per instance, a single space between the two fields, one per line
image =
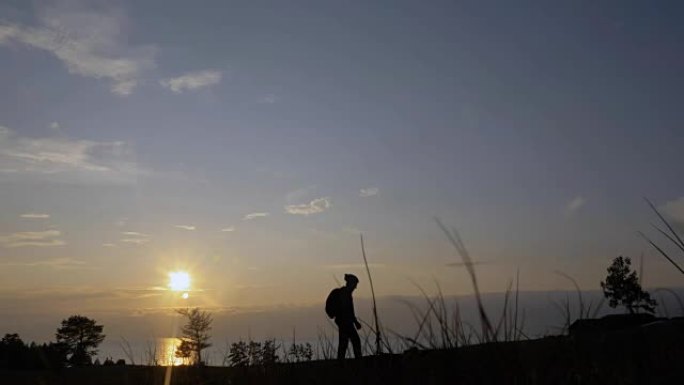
x=332 y=303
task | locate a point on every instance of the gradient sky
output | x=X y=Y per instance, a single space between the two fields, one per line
x=249 y=142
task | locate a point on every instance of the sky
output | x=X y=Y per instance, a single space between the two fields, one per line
x=251 y=142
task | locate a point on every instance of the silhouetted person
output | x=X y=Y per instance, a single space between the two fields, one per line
x=340 y=305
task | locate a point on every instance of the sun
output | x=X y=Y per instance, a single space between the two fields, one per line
x=179 y=281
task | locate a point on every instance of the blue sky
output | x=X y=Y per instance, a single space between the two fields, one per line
x=141 y=137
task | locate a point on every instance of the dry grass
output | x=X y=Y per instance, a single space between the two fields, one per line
x=671 y=235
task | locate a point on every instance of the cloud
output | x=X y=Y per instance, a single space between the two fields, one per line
x=81 y=159
x=575 y=204
x=134 y=237
x=46 y=238
x=369 y=192
x=54 y=126
x=108 y=245
x=185 y=227
x=57 y=263
x=135 y=241
x=192 y=81
x=255 y=215
x=134 y=234
x=268 y=99
x=314 y=207
x=35 y=216
x=228 y=229
x=674 y=209
x=89 y=42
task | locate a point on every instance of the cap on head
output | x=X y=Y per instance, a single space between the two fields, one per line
x=350 y=278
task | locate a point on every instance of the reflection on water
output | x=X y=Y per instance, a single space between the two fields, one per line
x=166 y=352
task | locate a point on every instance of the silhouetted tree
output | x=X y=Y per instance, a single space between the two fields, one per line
x=301 y=352
x=254 y=352
x=15 y=354
x=242 y=354
x=238 y=354
x=268 y=354
x=80 y=335
x=12 y=351
x=184 y=350
x=622 y=287
x=195 y=333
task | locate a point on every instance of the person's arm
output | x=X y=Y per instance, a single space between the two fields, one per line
x=353 y=314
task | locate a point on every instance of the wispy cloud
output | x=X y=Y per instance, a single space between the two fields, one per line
x=575 y=205
x=134 y=237
x=254 y=216
x=228 y=229
x=134 y=234
x=192 y=81
x=108 y=245
x=135 y=241
x=268 y=99
x=57 y=263
x=369 y=192
x=35 y=216
x=82 y=159
x=54 y=126
x=314 y=207
x=674 y=209
x=90 y=42
x=185 y=227
x=46 y=238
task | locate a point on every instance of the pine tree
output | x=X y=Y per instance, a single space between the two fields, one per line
x=622 y=287
x=81 y=336
x=194 y=334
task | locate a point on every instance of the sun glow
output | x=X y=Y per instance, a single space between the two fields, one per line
x=166 y=352
x=179 y=281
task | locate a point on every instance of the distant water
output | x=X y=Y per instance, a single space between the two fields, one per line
x=166 y=352
x=161 y=351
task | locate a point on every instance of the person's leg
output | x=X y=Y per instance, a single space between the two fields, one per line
x=342 y=342
x=356 y=342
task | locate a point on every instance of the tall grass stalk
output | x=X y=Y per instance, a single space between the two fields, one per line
x=676 y=297
x=670 y=234
x=585 y=310
x=127 y=350
x=456 y=241
x=517 y=292
x=438 y=329
x=378 y=338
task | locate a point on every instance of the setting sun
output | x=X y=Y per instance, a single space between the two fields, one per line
x=179 y=280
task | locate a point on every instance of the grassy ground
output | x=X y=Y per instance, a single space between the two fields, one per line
x=616 y=358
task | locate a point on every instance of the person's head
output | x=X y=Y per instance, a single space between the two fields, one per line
x=351 y=281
